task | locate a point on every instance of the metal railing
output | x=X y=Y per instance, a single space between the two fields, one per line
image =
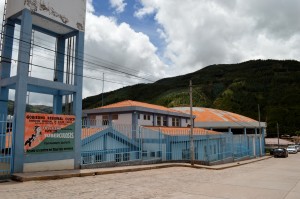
x=117 y=144
x=6 y=138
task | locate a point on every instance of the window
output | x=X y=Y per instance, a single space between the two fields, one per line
x=137 y=155
x=118 y=157
x=126 y=156
x=159 y=121
x=105 y=120
x=152 y=154
x=144 y=153
x=115 y=117
x=98 y=158
x=92 y=120
x=185 y=154
x=139 y=116
x=158 y=154
x=215 y=149
x=146 y=117
x=165 y=122
x=175 y=121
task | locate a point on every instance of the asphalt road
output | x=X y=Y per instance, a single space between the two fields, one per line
x=272 y=178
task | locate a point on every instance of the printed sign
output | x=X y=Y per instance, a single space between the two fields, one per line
x=47 y=133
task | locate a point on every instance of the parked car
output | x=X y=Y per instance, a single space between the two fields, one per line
x=298 y=147
x=292 y=149
x=280 y=152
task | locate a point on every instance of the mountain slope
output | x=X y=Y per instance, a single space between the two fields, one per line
x=239 y=88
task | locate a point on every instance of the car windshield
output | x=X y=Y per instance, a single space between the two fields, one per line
x=291 y=147
x=278 y=149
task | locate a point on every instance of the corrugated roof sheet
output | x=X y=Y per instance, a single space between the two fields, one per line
x=182 y=131
x=214 y=115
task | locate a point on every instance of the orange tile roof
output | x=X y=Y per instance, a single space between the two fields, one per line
x=87 y=132
x=215 y=115
x=130 y=103
x=182 y=131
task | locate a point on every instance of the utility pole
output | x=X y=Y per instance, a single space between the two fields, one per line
x=192 y=156
x=102 y=89
x=260 y=138
x=278 y=134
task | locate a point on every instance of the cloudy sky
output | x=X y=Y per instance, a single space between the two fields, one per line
x=174 y=37
x=154 y=39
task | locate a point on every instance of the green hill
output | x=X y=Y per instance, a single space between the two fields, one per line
x=239 y=88
x=30 y=108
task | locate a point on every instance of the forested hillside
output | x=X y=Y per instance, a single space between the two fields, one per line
x=239 y=88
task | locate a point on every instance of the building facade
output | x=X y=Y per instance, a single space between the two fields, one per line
x=136 y=114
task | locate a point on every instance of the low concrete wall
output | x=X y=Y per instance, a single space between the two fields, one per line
x=118 y=164
x=49 y=166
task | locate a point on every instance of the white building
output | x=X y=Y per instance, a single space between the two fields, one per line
x=136 y=114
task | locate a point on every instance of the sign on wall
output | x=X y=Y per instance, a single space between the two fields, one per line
x=48 y=133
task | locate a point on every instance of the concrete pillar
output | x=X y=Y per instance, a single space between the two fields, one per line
x=134 y=124
x=59 y=74
x=21 y=90
x=77 y=108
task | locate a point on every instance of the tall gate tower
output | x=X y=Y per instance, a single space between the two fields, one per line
x=62 y=20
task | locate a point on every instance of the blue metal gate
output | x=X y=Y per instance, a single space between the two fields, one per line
x=6 y=137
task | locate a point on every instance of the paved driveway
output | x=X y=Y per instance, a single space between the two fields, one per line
x=271 y=178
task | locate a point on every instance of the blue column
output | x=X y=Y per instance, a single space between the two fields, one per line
x=6 y=64
x=21 y=90
x=59 y=74
x=77 y=108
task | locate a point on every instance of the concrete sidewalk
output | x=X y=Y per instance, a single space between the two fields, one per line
x=52 y=175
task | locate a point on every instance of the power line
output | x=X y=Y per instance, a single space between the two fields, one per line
x=128 y=74
x=86 y=61
x=89 y=77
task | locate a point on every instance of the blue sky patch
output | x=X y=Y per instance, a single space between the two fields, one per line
x=146 y=25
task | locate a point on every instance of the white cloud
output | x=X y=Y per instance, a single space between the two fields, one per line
x=203 y=32
x=125 y=49
x=197 y=33
x=119 y=5
x=120 y=44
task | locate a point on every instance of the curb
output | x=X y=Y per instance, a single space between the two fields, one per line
x=55 y=175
